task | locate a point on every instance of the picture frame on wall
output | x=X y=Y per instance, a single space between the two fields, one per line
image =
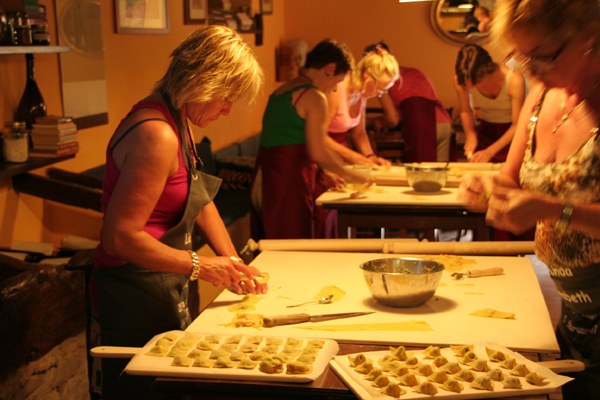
x=266 y=7
x=195 y=12
x=146 y=17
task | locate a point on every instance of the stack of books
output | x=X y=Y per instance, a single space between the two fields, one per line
x=54 y=136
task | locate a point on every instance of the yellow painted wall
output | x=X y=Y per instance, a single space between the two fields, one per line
x=405 y=27
x=133 y=64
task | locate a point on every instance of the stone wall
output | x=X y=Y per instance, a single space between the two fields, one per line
x=60 y=374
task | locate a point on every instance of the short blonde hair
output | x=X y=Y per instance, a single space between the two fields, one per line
x=380 y=62
x=213 y=62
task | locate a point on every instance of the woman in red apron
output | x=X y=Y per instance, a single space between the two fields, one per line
x=155 y=196
x=292 y=142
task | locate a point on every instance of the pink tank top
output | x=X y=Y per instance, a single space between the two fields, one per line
x=171 y=204
x=342 y=121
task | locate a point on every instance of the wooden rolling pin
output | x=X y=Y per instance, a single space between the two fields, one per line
x=347 y=245
x=467 y=248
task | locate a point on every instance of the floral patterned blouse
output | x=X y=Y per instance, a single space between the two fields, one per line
x=577 y=178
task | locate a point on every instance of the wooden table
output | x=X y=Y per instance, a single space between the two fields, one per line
x=403 y=208
x=293 y=280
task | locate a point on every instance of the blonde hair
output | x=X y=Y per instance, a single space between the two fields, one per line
x=560 y=19
x=213 y=62
x=381 y=64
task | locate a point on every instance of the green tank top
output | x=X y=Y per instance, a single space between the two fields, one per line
x=281 y=123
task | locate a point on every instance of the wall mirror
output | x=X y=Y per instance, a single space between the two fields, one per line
x=83 y=75
x=459 y=22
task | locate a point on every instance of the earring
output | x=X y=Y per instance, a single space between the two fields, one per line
x=587 y=53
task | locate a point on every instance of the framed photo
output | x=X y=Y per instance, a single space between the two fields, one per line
x=194 y=12
x=266 y=7
x=146 y=17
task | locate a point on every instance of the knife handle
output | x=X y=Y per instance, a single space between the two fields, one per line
x=285 y=319
x=474 y=273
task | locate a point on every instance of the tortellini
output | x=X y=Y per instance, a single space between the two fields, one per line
x=357 y=360
x=426 y=388
x=298 y=367
x=424 y=370
x=495 y=355
x=432 y=352
x=452 y=385
x=182 y=361
x=438 y=377
x=373 y=374
x=520 y=370
x=496 y=374
x=461 y=350
x=465 y=375
x=483 y=383
x=408 y=380
x=270 y=366
x=535 y=379
x=364 y=368
x=439 y=361
x=393 y=390
x=247 y=363
x=203 y=362
x=381 y=381
x=479 y=365
x=224 y=362
x=512 y=382
x=238 y=356
x=451 y=367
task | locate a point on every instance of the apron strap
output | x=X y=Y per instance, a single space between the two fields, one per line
x=131 y=128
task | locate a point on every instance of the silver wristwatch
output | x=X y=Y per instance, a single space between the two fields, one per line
x=565 y=217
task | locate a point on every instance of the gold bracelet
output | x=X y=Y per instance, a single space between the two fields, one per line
x=195 y=266
x=236 y=259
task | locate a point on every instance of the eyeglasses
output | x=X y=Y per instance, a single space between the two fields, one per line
x=380 y=91
x=538 y=64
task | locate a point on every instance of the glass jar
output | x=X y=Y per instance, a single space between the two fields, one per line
x=40 y=35
x=16 y=142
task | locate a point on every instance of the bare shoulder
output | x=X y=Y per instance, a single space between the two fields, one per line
x=313 y=100
x=150 y=137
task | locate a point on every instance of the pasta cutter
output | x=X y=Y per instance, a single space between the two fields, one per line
x=475 y=273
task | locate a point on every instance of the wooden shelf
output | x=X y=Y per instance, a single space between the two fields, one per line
x=8 y=170
x=33 y=49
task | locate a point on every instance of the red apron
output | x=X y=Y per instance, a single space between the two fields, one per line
x=288 y=179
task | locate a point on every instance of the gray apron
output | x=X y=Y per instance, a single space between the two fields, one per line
x=136 y=304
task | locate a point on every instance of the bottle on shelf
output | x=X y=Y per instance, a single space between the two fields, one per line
x=32 y=103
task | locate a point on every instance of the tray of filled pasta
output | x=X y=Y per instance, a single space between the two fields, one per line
x=239 y=357
x=482 y=370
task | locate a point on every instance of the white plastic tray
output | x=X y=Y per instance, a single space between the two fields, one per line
x=141 y=364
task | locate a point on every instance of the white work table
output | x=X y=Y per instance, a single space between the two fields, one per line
x=297 y=277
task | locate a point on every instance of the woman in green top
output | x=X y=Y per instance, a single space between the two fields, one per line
x=293 y=141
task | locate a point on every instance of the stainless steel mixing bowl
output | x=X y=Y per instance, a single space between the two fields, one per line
x=402 y=282
x=426 y=179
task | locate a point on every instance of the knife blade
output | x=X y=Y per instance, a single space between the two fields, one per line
x=299 y=318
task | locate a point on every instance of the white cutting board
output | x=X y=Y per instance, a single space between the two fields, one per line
x=298 y=276
x=142 y=364
x=363 y=389
x=396 y=195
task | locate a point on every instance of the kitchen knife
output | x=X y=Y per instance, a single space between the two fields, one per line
x=298 y=318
